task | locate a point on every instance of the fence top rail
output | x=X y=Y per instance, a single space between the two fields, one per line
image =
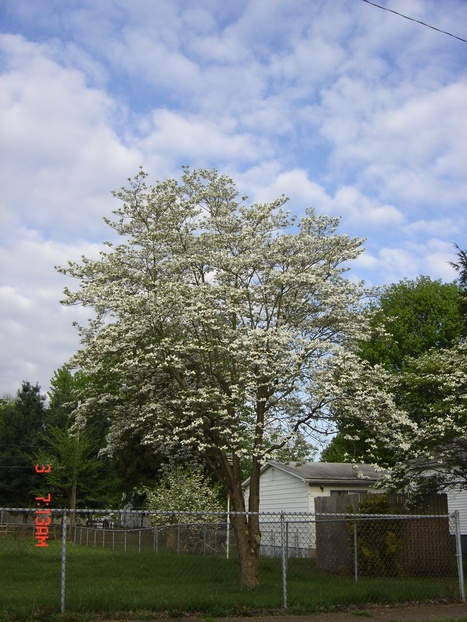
x=321 y=516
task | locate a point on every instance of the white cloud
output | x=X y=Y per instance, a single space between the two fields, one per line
x=200 y=140
x=408 y=261
x=435 y=256
x=412 y=145
x=398 y=263
x=440 y=226
x=294 y=184
x=348 y=202
x=58 y=148
x=357 y=208
x=341 y=106
x=37 y=335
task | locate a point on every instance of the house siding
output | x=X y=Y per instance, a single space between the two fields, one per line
x=457 y=500
x=281 y=492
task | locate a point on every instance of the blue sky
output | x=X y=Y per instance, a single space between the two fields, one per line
x=339 y=105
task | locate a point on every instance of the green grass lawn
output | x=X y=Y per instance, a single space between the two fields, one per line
x=99 y=580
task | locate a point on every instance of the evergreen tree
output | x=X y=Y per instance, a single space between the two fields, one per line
x=21 y=426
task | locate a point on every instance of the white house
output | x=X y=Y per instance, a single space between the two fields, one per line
x=292 y=488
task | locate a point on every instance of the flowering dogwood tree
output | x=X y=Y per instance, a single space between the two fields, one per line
x=418 y=415
x=215 y=326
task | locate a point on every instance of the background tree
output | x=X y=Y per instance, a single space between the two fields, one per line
x=82 y=474
x=433 y=392
x=21 y=427
x=406 y=320
x=215 y=324
x=409 y=318
x=136 y=464
x=71 y=456
x=345 y=446
x=297 y=449
x=64 y=392
x=420 y=415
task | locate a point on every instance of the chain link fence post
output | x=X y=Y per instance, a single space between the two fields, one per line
x=63 y=564
x=285 y=554
x=460 y=567
x=355 y=551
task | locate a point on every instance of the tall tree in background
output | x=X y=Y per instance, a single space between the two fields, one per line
x=135 y=463
x=215 y=327
x=21 y=428
x=461 y=266
x=71 y=454
x=433 y=392
x=407 y=320
x=81 y=474
x=64 y=392
x=418 y=415
x=298 y=449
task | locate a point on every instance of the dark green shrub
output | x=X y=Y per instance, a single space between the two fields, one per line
x=379 y=541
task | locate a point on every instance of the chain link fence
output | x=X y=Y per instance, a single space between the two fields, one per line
x=116 y=560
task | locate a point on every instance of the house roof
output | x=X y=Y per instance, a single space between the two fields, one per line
x=327 y=473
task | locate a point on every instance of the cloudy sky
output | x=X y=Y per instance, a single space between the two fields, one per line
x=338 y=104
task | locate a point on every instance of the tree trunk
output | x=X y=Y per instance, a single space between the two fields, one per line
x=246 y=528
x=247 y=549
